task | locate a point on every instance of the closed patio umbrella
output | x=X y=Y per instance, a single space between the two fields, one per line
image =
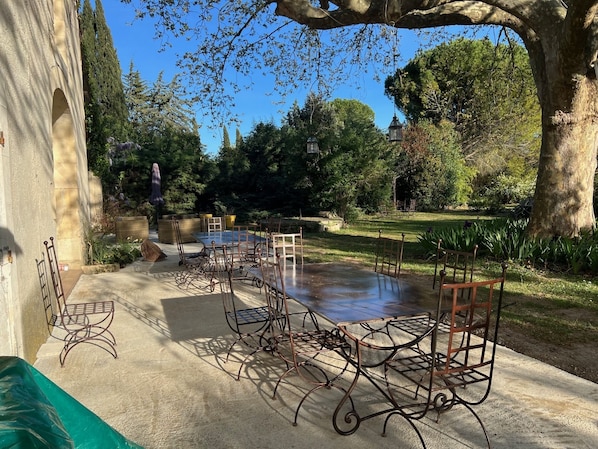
x=156 y=196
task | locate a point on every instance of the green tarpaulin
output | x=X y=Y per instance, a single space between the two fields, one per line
x=35 y=413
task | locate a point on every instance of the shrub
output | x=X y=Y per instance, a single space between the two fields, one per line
x=457 y=238
x=100 y=251
x=506 y=239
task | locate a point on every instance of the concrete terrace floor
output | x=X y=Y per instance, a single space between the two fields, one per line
x=170 y=386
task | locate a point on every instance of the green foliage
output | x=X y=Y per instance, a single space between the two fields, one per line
x=506 y=239
x=124 y=253
x=164 y=131
x=100 y=251
x=430 y=167
x=270 y=169
x=462 y=238
x=104 y=101
x=487 y=92
x=504 y=189
x=352 y=214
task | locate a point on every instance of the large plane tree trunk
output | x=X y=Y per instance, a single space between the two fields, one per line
x=563 y=200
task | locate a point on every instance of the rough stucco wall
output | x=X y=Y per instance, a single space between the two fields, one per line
x=33 y=67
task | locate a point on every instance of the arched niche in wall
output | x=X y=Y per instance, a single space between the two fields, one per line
x=66 y=185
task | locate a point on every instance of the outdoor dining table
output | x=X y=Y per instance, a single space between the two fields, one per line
x=219 y=239
x=363 y=304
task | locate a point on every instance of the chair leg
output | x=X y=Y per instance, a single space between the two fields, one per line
x=316 y=388
x=409 y=421
x=74 y=339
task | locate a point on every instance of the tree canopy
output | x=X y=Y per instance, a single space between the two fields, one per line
x=561 y=38
x=486 y=91
x=162 y=130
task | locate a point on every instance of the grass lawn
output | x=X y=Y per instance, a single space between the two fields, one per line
x=549 y=316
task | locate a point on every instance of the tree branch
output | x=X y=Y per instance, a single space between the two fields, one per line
x=580 y=32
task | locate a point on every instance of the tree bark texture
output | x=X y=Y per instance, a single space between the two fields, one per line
x=563 y=201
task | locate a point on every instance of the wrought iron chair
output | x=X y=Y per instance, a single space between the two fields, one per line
x=297 y=346
x=248 y=323
x=183 y=256
x=389 y=255
x=389 y=258
x=246 y=251
x=77 y=322
x=195 y=265
x=456 y=369
x=457 y=265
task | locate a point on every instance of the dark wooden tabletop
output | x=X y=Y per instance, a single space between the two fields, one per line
x=345 y=293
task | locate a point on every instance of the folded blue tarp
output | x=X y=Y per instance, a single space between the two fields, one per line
x=37 y=414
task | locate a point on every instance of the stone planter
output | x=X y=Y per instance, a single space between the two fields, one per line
x=189 y=225
x=204 y=221
x=230 y=221
x=95 y=269
x=131 y=228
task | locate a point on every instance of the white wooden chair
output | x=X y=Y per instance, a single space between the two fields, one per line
x=288 y=246
x=215 y=224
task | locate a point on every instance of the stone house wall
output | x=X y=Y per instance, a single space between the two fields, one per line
x=44 y=188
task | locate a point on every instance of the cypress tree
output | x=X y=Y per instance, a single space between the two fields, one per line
x=238 y=139
x=105 y=108
x=96 y=138
x=112 y=96
x=226 y=146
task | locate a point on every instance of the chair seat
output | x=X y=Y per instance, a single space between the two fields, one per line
x=418 y=326
x=417 y=369
x=252 y=315
x=314 y=341
x=90 y=308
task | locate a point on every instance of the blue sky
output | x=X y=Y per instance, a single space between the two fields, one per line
x=134 y=41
